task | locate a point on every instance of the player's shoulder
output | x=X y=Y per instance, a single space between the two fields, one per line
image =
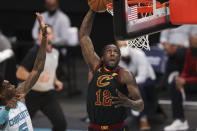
x=125 y=76
x=96 y=68
x=20 y=104
x=121 y=69
x=124 y=72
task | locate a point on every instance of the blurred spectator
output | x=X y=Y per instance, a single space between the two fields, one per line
x=175 y=41
x=172 y=38
x=186 y=82
x=41 y=97
x=64 y=36
x=5 y=48
x=136 y=61
x=7 y=60
x=158 y=58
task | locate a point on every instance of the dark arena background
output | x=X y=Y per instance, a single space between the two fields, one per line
x=17 y=18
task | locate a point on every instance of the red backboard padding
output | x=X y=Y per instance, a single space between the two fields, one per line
x=183 y=11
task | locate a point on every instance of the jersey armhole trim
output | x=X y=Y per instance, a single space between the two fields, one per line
x=96 y=68
x=23 y=102
x=120 y=74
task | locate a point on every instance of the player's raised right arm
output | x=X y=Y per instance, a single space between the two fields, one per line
x=39 y=63
x=90 y=56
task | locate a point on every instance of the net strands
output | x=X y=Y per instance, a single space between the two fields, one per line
x=139 y=43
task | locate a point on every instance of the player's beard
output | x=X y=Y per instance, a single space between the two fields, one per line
x=111 y=67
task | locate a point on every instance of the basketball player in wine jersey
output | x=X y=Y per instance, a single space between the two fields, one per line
x=13 y=112
x=109 y=84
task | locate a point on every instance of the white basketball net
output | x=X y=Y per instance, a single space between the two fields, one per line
x=141 y=42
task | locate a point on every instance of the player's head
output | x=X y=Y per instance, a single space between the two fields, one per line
x=50 y=37
x=170 y=48
x=7 y=90
x=193 y=45
x=51 y=5
x=110 y=55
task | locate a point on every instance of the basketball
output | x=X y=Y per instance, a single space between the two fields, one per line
x=98 y=5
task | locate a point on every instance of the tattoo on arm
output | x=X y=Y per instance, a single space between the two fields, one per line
x=136 y=103
x=87 y=47
x=86 y=26
x=26 y=86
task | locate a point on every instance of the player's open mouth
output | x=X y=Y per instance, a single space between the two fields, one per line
x=113 y=60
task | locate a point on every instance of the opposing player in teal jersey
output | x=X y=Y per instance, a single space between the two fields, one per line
x=13 y=112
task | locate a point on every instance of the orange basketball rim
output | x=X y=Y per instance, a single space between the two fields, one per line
x=144 y=6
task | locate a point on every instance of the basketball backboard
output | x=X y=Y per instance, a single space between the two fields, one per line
x=129 y=22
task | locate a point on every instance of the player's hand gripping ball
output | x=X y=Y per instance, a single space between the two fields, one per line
x=98 y=5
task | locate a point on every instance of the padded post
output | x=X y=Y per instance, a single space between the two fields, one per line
x=183 y=11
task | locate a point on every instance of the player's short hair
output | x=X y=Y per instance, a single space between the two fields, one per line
x=104 y=48
x=50 y=26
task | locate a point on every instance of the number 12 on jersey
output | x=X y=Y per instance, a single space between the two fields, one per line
x=105 y=100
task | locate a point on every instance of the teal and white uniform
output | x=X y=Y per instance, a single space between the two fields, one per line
x=18 y=119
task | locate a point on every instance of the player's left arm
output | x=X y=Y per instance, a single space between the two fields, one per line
x=136 y=102
x=26 y=86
